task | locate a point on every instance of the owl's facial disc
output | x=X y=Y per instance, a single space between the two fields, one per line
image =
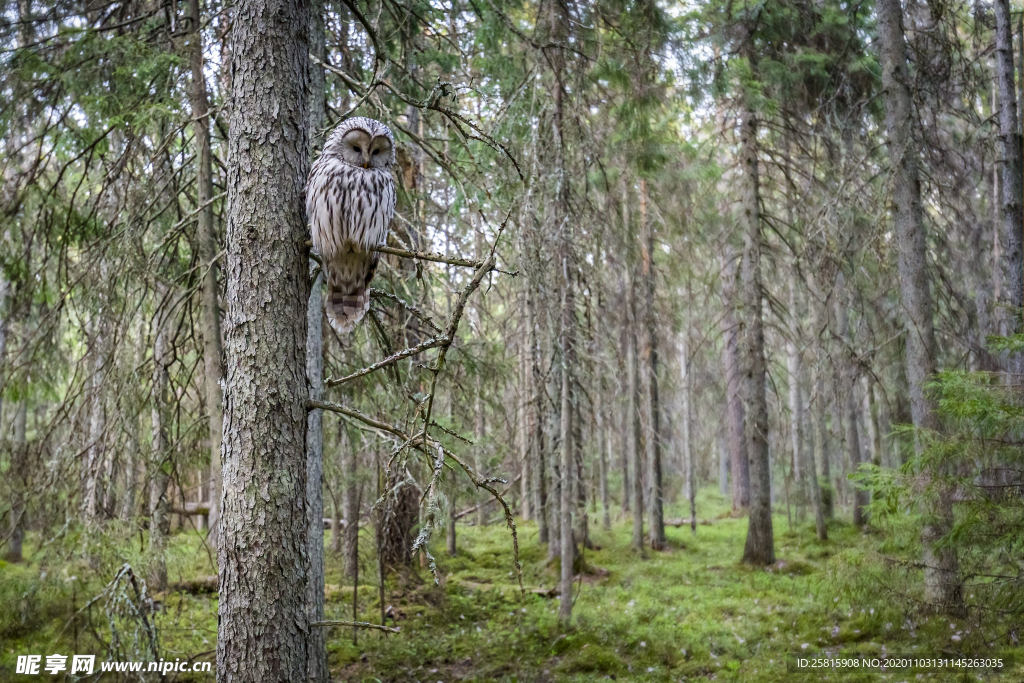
x=355 y=148
x=380 y=152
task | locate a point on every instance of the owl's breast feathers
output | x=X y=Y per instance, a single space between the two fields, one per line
x=349 y=209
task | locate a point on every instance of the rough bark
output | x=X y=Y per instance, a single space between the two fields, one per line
x=942 y=582
x=760 y=545
x=1013 y=173
x=264 y=629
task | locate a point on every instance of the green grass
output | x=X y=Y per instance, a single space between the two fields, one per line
x=691 y=612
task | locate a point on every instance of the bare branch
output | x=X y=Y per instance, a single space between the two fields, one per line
x=357 y=624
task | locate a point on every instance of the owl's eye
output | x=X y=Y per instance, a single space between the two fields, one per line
x=357 y=149
x=375 y=152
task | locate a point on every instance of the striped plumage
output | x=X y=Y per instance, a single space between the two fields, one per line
x=350 y=201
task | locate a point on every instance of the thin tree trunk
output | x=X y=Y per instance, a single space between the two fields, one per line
x=723 y=465
x=213 y=350
x=604 y=447
x=5 y=289
x=650 y=418
x=264 y=626
x=159 y=467
x=317 y=663
x=336 y=532
x=942 y=580
x=450 y=540
x=760 y=546
x=350 y=471
x=803 y=457
x=16 y=474
x=819 y=403
x=567 y=503
x=96 y=451
x=524 y=428
x=685 y=389
x=478 y=455
x=861 y=497
x=540 y=509
x=735 y=412
x=625 y=437
x=635 y=436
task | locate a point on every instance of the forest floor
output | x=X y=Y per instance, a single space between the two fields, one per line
x=691 y=612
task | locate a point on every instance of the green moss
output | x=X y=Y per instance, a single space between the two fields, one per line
x=692 y=612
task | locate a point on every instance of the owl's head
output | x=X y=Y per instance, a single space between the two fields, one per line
x=363 y=143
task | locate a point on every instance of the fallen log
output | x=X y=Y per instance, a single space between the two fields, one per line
x=192 y=509
x=678 y=522
x=199 y=586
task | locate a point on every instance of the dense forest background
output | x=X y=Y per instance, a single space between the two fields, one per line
x=665 y=280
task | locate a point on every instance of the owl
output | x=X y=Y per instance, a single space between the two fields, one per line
x=350 y=201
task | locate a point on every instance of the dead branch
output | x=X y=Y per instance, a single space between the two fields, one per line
x=357 y=624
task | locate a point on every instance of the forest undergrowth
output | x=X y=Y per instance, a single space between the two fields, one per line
x=691 y=612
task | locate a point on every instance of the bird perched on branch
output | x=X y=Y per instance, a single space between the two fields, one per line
x=350 y=201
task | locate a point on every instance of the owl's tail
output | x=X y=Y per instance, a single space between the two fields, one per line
x=348 y=291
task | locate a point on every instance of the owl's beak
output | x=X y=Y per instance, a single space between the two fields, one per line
x=366 y=158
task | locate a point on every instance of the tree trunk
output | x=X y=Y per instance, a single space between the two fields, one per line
x=318 y=670
x=567 y=504
x=450 y=541
x=206 y=242
x=1013 y=174
x=350 y=472
x=723 y=465
x=651 y=417
x=16 y=474
x=540 y=508
x=159 y=466
x=942 y=581
x=760 y=546
x=685 y=389
x=633 y=425
x=735 y=413
x=604 y=447
x=871 y=419
x=478 y=454
x=861 y=496
x=803 y=458
x=524 y=427
x=264 y=629
x=336 y=527
x=96 y=452
x=819 y=402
